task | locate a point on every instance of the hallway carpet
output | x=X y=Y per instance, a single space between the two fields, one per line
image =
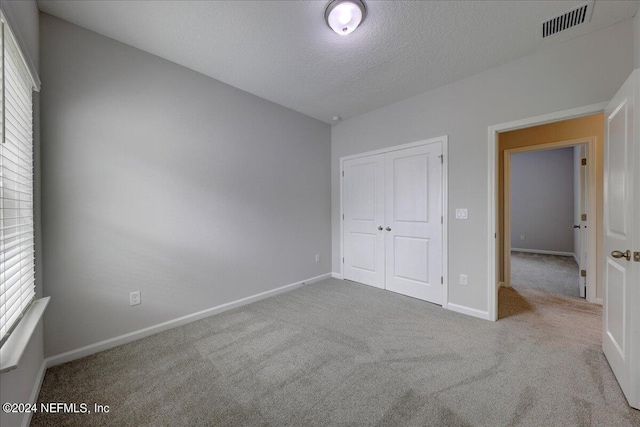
x=340 y=353
x=551 y=273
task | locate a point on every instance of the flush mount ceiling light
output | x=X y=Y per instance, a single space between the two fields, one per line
x=344 y=16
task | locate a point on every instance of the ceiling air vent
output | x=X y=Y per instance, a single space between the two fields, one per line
x=577 y=16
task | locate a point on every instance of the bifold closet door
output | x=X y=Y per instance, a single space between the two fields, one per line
x=413 y=222
x=363 y=208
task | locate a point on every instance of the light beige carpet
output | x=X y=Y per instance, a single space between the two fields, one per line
x=551 y=273
x=338 y=353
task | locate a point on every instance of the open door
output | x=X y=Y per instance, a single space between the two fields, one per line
x=621 y=269
x=580 y=221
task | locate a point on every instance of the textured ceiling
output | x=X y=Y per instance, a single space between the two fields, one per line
x=284 y=52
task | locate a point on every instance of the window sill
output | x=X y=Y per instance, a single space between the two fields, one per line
x=13 y=349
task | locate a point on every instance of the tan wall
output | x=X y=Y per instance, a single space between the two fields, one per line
x=554 y=132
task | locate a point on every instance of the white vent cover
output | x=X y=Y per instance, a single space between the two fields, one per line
x=577 y=16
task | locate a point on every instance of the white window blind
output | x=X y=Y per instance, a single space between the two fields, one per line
x=17 y=270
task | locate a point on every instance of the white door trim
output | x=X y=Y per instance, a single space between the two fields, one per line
x=492 y=190
x=445 y=180
x=590 y=142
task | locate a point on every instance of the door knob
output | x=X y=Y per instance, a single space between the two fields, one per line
x=576 y=226
x=380 y=228
x=388 y=228
x=618 y=254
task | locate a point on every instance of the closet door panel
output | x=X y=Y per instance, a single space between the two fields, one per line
x=413 y=209
x=363 y=208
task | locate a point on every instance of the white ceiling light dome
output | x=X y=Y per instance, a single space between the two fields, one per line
x=344 y=16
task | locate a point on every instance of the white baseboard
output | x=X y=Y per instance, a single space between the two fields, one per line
x=501 y=284
x=598 y=301
x=152 y=330
x=35 y=392
x=336 y=275
x=543 y=252
x=469 y=311
x=576 y=258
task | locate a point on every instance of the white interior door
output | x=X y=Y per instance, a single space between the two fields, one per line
x=620 y=341
x=363 y=208
x=584 y=194
x=413 y=222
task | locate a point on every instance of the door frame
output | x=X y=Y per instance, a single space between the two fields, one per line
x=590 y=142
x=443 y=140
x=492 y=190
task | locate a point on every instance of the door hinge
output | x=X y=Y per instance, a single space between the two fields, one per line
x=583 y=273
x=495 y=235
x=342 y=173
x=343 y=260
x=584 y=162
x=636 y=256
x=441 y=280
x=441 y=220
x=441 y=158
x=343 y=217
x=583 y=217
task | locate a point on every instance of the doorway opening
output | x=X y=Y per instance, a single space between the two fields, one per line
x=583 y=128
x=546 y=203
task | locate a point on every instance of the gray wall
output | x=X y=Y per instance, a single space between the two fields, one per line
x=542 y=200
x=17 y=385
x=580 y=72
x=160 y=179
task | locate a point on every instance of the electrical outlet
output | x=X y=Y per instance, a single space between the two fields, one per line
x=134 y=298
x=464 y=279
x=317 y=257
x=522 y=237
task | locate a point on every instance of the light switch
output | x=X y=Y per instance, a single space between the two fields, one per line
x=461 y=214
